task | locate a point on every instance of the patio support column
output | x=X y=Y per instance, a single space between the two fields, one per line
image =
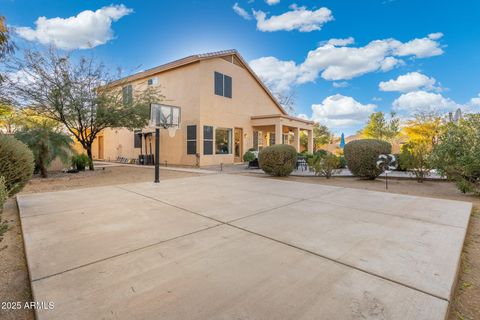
x=310 y=141
x=296 y=139
x=278 y=132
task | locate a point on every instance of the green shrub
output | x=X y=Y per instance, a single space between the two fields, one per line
x=321 y=153
x=248 y=156
x=324 y=165
x=278 y=160
x=16 y=163
x=47 y=142
x=342 y=162
x=401 y=165
x=3 y=193
x=415 y=157
x=80 y=162
x=361 y=156
x=457 y=153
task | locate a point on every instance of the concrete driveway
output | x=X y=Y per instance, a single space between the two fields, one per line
x=235 y=247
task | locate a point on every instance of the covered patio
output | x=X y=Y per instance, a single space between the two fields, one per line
x=281 y=129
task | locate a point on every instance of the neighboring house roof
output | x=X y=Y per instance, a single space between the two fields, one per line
x=195 y=58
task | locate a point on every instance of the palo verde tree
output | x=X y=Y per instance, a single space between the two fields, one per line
x=378 y=127
x=80 y=94
x=6 y=48
x=422 y=133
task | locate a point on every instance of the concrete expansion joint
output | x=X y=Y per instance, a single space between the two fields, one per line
x=229 y=223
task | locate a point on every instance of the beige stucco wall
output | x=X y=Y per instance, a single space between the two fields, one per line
x=179 y=88
x=191 y=88
x=248 y=99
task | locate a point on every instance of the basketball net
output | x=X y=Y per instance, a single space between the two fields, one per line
x=171 y=131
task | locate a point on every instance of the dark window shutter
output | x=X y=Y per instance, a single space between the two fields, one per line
x=227 y=92
x=191 y=132
x=192 y=139
x=218 y=84
x=207 y=140
x=207 y=133
x=207 y=147
x=192 y=147
x=137 y=140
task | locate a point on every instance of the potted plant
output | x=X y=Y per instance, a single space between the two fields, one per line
x=249 y=156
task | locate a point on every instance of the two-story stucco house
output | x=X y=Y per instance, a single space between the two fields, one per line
x=225 y=110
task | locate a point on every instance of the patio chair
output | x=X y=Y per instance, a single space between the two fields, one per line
x=302 y=164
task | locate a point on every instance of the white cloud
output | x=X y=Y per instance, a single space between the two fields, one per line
x=412 y=81
x=475 y=101
x=341 y=111
x=272 y=2
x=342 y=84
x=435 y=36
x=86 y=30
x=422 y=101
x=241 y=12
x=421 y=48
x=277 y=74
x=340 y=42
x=303 y=116
x=299 y=18
x=335 y=60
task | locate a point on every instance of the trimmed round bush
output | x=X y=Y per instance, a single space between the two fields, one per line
x=16 y=163
x=248 y=156
x=362 y=155
x=278 y=160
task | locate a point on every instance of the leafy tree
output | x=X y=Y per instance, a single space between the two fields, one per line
x=47 y=142
x=378 y=127
x=6 y=44
x=6 y=47
x=457 y=153
x=425 y=128
x=10 y=118
x=80 y=94
x=321 y=137
x=422 y=133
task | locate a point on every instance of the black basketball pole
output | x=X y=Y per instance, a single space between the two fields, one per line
x=157 y=155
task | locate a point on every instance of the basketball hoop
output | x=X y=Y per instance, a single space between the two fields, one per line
x=172 y=131
x=166 y=117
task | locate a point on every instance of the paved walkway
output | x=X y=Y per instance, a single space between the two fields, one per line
x=240 y=247
x=241 y=168
x=101 y=164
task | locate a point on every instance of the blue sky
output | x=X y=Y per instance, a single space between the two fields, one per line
x=425 y=53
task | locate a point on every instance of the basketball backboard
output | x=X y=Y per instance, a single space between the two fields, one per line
x=164 y=116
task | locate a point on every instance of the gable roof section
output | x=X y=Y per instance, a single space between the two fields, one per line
x=196 y=58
